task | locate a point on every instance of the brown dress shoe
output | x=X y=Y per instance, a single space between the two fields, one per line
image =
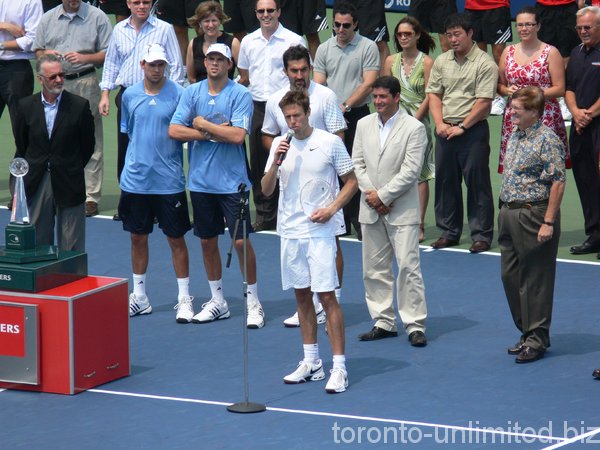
x=91 y=209
x=479 y=247
x=443 y=243
x=529 y=354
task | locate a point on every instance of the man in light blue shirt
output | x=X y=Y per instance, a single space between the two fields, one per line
x=214 y=116
x=152 y=182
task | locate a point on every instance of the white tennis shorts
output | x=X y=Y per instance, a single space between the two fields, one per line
x=309 y=262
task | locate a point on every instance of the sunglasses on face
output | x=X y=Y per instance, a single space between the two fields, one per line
x=53 y=77
x=342 y=25
x=266 y=10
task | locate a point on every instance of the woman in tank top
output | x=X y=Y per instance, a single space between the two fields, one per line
x=207 y=21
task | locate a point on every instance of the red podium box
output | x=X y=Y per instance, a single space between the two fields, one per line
x=83 y=334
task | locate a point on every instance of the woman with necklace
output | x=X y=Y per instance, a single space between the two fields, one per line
x=207 y=21
x=532 y=63
x=412 y=67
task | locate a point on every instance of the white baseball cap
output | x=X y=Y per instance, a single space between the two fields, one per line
x=155 y=52
x=220 y=48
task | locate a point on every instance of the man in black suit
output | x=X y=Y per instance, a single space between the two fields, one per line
x=55 y=134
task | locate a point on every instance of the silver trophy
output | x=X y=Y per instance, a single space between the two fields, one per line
x=218 y=119
x=20 y=214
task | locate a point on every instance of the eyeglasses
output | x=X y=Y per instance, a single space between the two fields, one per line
x=526 y=25
x=53 y=77
x=342 y=25
x=405 y=34
x=266 y=10
x=581 y=28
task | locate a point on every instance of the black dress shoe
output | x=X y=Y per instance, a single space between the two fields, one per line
x=589 y=246
x=479 y=247
x=377 y=333
x=596 y=374
x=443 y=243
x=516 y=349
x=117 y=217
x=529 y=354
x=417 y=339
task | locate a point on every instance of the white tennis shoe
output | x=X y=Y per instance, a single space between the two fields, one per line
x=306 y=372
x=338 y=381
x=256 y=316
x=185 y=309
x=212 y=310
x=139 y=305
x=294 y=322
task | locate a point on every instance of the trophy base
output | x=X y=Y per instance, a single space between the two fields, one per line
x=40 y=253
x=43 y=275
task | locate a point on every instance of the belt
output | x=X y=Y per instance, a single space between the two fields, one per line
x=524 y=205
x=74 y=76
x=453 y=124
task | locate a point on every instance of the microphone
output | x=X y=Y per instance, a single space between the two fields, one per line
x=288 y=138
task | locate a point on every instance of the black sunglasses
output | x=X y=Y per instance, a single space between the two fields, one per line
x=266 y=10
x=342 y=25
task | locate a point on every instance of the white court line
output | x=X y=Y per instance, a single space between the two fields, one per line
x=343 y=416
x=574 y=439
x=429 y=249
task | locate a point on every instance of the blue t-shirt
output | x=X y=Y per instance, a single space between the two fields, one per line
x=216 y=167
x=154 y=162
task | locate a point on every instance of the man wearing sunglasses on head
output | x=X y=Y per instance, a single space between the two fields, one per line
x=348 y=64
x=261 y=70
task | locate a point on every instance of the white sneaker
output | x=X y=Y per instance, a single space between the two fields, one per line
x=305 y=372
x=498 y=106
x=139 y=305
x=338 y=381
x=185 y=309
x=566 y=114
x=256 y=316
x=293 y=321
x=212 y=310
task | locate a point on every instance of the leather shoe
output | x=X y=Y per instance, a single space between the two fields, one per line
x=117 y=217
x=443 y=243
x=588 y=246
x=516 y=349
x=91 y=209
x=263 y=226
x=377 y=333
x=596 y=374
x=479 y=247
x=417 y=339
x=529 y=354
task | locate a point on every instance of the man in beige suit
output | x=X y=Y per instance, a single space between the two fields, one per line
x=387 y=155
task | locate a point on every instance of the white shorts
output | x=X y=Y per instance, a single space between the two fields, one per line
x=309 y=262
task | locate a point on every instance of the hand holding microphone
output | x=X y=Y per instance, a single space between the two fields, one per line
x=288 y=139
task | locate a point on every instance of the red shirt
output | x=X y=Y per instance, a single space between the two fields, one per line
x=482 y=5
x=555 y=2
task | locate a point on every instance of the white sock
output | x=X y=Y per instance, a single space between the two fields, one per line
x=139 y=285
x=252 y=293
x=216 y=290
x=311 y=353
x=338 y=294
x=339 y=362
x=184 y=286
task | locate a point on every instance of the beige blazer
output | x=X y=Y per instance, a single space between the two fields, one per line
x=392 y=169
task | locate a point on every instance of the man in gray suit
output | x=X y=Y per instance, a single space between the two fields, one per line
x=387 y=155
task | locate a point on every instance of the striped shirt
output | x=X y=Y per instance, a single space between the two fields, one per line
x=126 y=49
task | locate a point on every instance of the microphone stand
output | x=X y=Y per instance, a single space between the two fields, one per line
x=246 y=406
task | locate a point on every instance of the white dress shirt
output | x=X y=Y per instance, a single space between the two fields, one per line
x=263 y=59
x=26 y=14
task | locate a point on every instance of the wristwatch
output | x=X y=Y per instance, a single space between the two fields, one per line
x=461 y=126
x=1 y=46
x=347 y=107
